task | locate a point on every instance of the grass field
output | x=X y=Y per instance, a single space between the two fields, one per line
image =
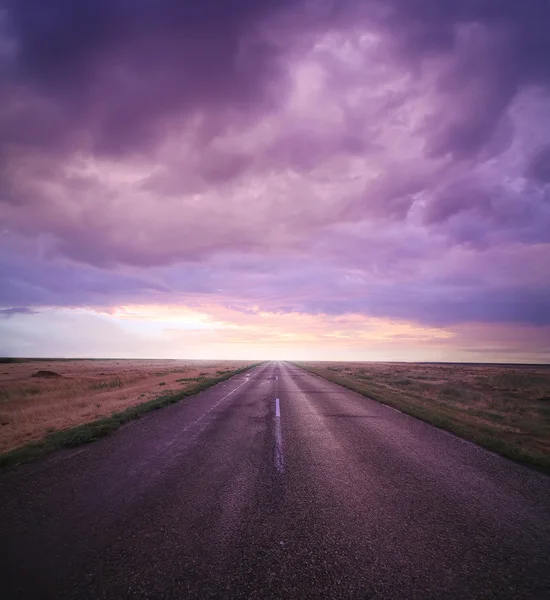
x=504 y=408
x=71 y=393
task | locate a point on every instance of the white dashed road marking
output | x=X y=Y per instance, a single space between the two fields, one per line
x=279 y=456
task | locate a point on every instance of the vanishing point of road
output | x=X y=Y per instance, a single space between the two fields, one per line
x=275 y=484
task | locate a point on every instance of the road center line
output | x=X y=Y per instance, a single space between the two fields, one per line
x=278 y=456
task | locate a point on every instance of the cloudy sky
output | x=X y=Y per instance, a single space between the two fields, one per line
x=351 y=179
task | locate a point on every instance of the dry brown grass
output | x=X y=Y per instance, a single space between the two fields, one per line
x=33 y=407
x=506 y=408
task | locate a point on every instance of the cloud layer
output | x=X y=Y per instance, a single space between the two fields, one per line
x=385 y=159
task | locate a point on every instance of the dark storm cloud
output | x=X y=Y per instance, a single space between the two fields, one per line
x=116 y=69
x=506 y=47
x=480 y=304
x=36 y=282
x=428 y=26
x=539 y=168
x=6 y=313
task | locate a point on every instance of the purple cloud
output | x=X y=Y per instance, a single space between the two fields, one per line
x=388 y=158
x=109 y=74
x=6 y=313
x=539 y=168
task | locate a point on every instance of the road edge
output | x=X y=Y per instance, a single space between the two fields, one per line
x=538 y=463
x=99 y=428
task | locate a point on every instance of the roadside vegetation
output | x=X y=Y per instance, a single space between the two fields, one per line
x=504 y=408
x=63 y=404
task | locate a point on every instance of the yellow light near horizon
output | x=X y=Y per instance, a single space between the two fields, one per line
x=162 y=314
x=255 y=327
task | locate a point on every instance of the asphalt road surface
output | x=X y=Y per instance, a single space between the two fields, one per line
x=275 y=484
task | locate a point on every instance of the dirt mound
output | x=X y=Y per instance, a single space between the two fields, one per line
x=50 y=374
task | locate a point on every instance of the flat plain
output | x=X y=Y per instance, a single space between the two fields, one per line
x=505 y=408
x=41 y=397
x=275 y=484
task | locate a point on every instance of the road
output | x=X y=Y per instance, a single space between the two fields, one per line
x=275 y=484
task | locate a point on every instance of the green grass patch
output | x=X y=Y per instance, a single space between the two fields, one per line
x=88 y=432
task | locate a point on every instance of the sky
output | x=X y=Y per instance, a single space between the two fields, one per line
x=275 y=179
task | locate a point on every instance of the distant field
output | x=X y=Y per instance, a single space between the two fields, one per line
x=505 y=408
x=69 y=393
